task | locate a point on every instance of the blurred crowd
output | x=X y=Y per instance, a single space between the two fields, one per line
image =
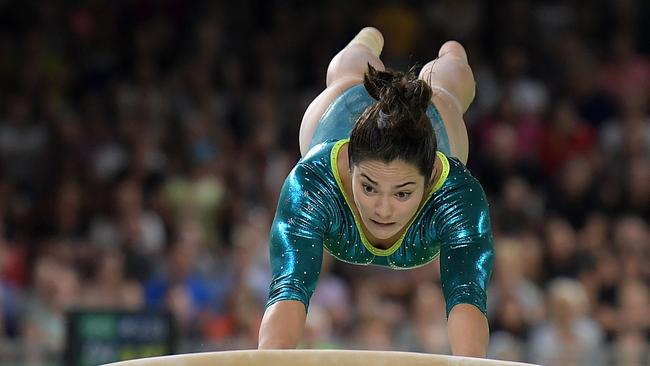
x=143 y=145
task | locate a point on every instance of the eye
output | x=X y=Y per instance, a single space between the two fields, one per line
x=368 y=188
x=403 y=195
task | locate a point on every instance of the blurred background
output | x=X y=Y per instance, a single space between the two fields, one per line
x=143 y=144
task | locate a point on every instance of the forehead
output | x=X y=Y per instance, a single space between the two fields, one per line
x=396 y=170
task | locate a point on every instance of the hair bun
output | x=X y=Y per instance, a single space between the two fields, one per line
x=397 y=93
x=377 y=82
x=419 y=93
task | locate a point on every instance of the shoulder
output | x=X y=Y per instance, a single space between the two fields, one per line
x=461 y=201
x=318 y=161
x=321 y=152
x=311 y=181
x=460 y=177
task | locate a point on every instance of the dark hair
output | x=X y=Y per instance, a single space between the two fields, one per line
x=397 y=126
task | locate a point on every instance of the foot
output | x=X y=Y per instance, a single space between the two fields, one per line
x=371 y=38
x=453 y=48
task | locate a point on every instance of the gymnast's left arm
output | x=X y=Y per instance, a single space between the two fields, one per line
x=466 y=259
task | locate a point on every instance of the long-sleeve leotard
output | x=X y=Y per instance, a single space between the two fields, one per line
x=313 y=215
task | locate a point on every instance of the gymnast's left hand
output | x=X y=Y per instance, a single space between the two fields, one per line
x=468 y=331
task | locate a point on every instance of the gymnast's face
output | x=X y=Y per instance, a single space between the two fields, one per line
x=386 y=195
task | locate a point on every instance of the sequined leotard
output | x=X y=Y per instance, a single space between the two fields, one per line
x=313 y=214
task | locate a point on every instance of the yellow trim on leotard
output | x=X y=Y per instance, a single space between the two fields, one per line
x=334 y=154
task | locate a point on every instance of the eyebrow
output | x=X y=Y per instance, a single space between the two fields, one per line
x=375 y=183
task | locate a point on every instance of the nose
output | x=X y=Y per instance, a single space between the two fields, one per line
x=383 y=209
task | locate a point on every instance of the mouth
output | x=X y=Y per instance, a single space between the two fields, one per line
x=382 y=224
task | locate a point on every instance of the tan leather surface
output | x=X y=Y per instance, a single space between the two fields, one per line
x=312 y=358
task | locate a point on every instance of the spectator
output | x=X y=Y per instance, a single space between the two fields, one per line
x=108 y=288
x=55 y=290
x=569 y=336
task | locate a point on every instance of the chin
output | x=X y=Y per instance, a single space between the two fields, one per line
x=382 y=235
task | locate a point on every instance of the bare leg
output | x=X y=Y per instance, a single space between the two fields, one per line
x=344 y=71
x=453 y=86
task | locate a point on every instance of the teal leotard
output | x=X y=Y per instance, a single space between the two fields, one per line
x=313 y=215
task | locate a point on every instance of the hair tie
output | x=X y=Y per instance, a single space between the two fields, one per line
x=383 y=119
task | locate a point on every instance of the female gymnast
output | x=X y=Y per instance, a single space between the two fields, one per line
x=382 y=181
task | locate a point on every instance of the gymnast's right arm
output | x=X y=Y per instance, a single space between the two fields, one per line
x=296 y=251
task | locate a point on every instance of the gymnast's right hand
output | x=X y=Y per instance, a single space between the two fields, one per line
x=282 y=325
